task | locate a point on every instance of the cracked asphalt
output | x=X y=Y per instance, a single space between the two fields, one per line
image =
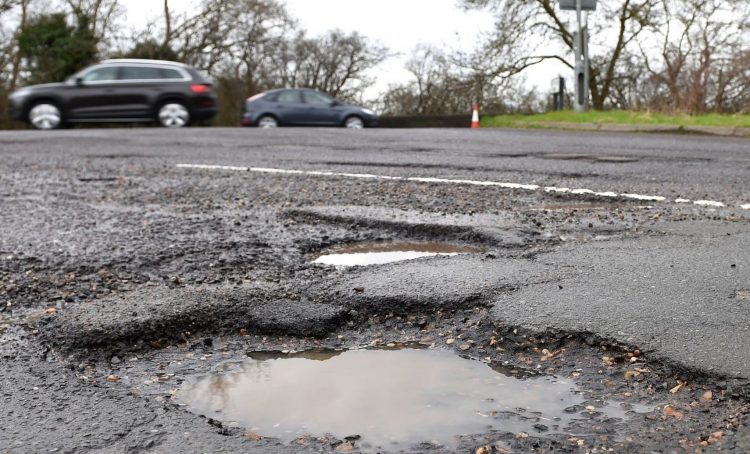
x=121 y=274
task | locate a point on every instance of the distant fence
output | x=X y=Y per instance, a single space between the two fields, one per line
x=427 y=121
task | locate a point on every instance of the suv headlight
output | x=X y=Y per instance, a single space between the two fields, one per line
x=369 y=112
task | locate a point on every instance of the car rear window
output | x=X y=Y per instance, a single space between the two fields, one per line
x=170 y=74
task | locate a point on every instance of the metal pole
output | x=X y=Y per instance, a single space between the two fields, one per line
x=580 y=74
x=585 y=41
x=561 y=91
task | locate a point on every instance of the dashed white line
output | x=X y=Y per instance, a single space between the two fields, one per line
x=505 y=185
x=654 y=198
x=709 y=203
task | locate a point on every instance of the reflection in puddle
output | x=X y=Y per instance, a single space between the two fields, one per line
x=393 y=399
x=379 y=253
x=315 y=355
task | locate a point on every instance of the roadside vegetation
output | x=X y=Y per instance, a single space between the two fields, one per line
x=617 y=117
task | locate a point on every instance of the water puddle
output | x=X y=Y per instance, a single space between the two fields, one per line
x=379 y=253
x=384 y=399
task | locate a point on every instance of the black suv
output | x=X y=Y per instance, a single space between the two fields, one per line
x=171 y=93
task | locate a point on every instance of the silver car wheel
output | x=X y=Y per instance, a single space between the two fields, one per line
x=174 y=115
x=45 y=116
x=268 y=122
x=354 y=123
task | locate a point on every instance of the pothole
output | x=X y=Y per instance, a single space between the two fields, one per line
x=587 y=206
x=379 y=253
x=588 y=157
x=617 y=159
x=386 y=399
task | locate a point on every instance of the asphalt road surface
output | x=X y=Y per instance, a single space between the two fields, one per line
x=133 y=259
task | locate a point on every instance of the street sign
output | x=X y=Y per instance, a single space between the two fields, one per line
x=556 y=83
x=586 y=5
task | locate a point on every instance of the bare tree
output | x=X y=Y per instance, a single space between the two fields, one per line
x=97 y=15
x=238 y=42
x=694 y=55
x=439 y=87
x=16 y=63
x=528 y=32
x=167 y=24
x=7 y=5
x=432 y=89
x=336 y=63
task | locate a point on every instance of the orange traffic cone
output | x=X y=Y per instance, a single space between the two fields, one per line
x=475 y=117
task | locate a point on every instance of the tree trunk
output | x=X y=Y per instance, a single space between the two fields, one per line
x=17 y=57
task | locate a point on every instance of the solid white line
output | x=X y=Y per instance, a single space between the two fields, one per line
x=526 y=187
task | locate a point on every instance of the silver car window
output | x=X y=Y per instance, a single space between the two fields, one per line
x=171 y=74
x=315 y=97
x=141 y=73
x=102 y=74
x=290 y=96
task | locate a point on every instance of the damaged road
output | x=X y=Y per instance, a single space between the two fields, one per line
x=131 y=264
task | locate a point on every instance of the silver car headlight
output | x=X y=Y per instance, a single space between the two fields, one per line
x=369 y=112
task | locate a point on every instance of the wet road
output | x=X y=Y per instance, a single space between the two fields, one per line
x=130 y=242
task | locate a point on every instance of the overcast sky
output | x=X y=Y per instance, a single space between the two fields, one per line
x=400 y=25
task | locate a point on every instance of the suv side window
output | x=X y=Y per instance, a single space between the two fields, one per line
x=290 y=96
x=167 y=73
x=317 y=98
x=102 y=74
x=140 y=73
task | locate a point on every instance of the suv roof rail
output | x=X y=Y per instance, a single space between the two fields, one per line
x=143 y=60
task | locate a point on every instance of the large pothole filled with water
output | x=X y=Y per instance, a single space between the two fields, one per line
x=379 y=253
x=386 y=399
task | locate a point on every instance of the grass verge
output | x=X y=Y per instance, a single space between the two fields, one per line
x=617 y=117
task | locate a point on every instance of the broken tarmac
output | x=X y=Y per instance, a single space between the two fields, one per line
x=121 y=275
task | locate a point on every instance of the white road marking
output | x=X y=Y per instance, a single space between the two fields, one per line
x=526 y=187
x=554 y=189
x=709 y=203
x=654 y=198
